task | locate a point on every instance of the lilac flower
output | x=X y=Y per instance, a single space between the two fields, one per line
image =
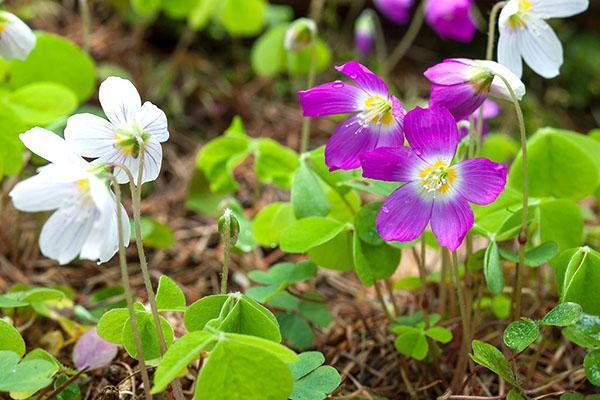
x=451 y=19
x=377 y=120
x=364 y=33
x=436 y=190
x=490 y=110
x=462 y=85
x=397 y=11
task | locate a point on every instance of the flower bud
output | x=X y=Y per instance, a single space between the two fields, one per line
x=234 y=225
x=364 y=33
x=300 y=34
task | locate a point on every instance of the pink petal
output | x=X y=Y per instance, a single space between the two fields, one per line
x=347 y=143
x=480 y=180
x=432 y=133
x=451 y=219
x=364 y=78
x=452 y=71
x=405 y=213
x=332 y=98
x=93 y=351
x=399 y=164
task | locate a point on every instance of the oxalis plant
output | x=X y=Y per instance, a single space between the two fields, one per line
x=397 y=178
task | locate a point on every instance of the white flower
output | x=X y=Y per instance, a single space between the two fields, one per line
x=525 y=33
x=132 y=128
x=16 y=39
x=85 y=220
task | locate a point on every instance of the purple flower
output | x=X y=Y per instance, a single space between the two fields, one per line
x=377 y=120
x=490 y=110
x=397 y=11
x=436 y=190
x=462 y=85
x=451 y=19
x=364 y=33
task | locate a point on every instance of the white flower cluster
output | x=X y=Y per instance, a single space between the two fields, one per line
x=85 y=220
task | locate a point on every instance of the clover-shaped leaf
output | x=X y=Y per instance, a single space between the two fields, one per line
x=591 y=364
x=564 y=314
x=411 y=342
x=24 y=376
x=520 y=334
x=312 y=380
x=169 y=296
x=490 y=357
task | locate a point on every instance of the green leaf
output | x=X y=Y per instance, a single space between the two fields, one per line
x=499 y=147
x=271 y=221
x=562 y=164
x=335 y=179
x=308 y=233
x=202 y=311
x=146 y=8
x=490 y=357
x=561 y=222
x=268 y=55
x=440 y=334
x=11 y=147
x=11 y=339
x=501 y=219
x=179 y=9
x=364 y=224
x=374 y=262
x=536 y=256
x=169 y=296
x=316 y=312
x=591 y=365
x=154 y=234
x=178 y=356
x=308 y=197
x=111 y=324
x=285 y=273
x=492 y=268
x=7 y=302
x=295 y=330
x=71 y=392
x=334 y=254
x=299 y=62
x=200 y=15
x=275 y=163
x=219 y=157
x=585 y=333
x=56 y=59
x=411 y=342
x=343 y=206
x=564 y=314
x=41 y=103
x=237 y=371
x=200 y=197
x=24 y=376
x=148 y=335
x=520 y=334
x=281 y=352
x=312 y=381
x=250 y=318
x=578 y=275
x=243 y=18
x=514 y=395
x=245 y=240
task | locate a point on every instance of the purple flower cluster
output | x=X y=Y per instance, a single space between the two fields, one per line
x=438 y=188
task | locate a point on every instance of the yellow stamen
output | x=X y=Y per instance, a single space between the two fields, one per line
x=438 y=178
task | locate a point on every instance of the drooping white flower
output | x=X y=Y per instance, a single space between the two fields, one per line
x=16 y=39
x=131 y=128
x=85 y=220
x=525 y=35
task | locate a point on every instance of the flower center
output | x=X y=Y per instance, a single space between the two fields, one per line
x=517 y=20
x=481 y=79
x=437 y=179
x=377 y=111
x=131 y=139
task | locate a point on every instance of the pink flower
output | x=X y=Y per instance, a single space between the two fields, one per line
x=451 y=19
x=436 y=192
x=397 y=11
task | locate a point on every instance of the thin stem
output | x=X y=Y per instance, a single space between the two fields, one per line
x=380 y=44
x=227 y=250
x=489 y=54
x=463 y=358
x=382 y=301
x=305 y=136
x=522 y=238
x=423 y=278
x=127 y=289
x=443 y=283
x=136 y=194
x=408 y=39
x=390 y=290
x=86 y=22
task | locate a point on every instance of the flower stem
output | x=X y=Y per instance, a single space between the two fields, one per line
x=423 y=277
x=522 y=238
x=463 y=359
x=408 y=39
x=136 y=195
x=379 y=294
x=86 y=22
x=226 y=235
x=305 y=136
x=127 y=289
x=489 y=55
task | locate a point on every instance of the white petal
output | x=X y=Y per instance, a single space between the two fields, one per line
x=51 y=147
x=65 y=232
x=510 y=9
x=154 y=121
x=120 y=100
x=90 y=135
x=509 y=50
x=541 y=48
x=16 y=39
x=41 y=193
x=100 y=193
x=498 y=88
x=152 y=161
x=559 y=8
